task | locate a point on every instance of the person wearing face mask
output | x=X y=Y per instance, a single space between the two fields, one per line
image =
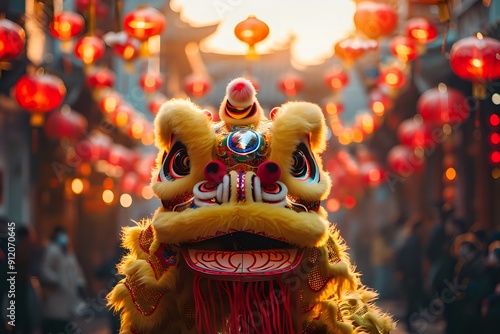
x=63 y=282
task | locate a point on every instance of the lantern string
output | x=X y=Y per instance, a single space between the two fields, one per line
x=445 y=37
x=118 y=15
x=91 y=14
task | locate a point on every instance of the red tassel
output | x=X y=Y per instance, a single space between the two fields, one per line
x=236 y=307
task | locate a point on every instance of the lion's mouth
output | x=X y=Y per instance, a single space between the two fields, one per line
x=241 y=256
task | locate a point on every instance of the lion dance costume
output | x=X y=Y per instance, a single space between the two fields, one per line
x=241 y=243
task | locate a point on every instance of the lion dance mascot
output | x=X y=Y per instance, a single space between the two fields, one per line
x=241 y=243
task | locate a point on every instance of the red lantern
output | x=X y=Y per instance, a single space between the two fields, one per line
x=375 y=19
x=129 y=182
x=123 y=45
x=156 y=102
x=371 y=173
x=144 y=165
x=66 y=25
x=379 y=102
x=403 y=161
x=351 y=49
x=414 y=134
x=65 y=123
x=95 y=147
x=101 y=9
x=197 y=85
x=290 y=84
x=421 y=30
x=39 y=94
x=110 y=102
x=403 y=48
x=120 y=156
x=12 y=38
x=89 y=49
x=392 y=77
x=442 y=105
x=334 y=108
x=101 y=78
x=476 y=59
x=251 y=31
x=137 y=128
x=336 y=78
x=122 y=116
x=144 y=22
x=150 y=82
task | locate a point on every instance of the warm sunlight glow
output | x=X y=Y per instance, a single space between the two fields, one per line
x=327 y=22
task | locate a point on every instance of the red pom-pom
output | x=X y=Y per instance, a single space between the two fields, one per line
x=269 y=173
x=215 y=171
x=240 y=92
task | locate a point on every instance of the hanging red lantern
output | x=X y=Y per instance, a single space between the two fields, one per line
x=442 y=105
x=66 y=25
x=65 y=123
x=12 y=38
x=137 y=128
x=197 y=85
x=150 y=82
x=336 y=78
x=110 y=102
x=290 y=84
x=392 y=77
x=251 y=31
x=101 y=78
x=365 y=122
x=123 y=45
x=352 y=48
x=120 y=156
x=89 y=49
x=476 y=59
x=375 y=19
x=414 y=133
x=122 y=115
x=39 y=94
x=94 y=147
x=129 y=182
x=156 y=101
x=334 y=107
x=421 y=30
x=403 y=48
x=144 y=22
x=101 y=9
x=371 y=173
x=379 y=102
x=403 y=161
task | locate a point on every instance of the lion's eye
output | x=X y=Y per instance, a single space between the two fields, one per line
x=176 y=163
x=304 y=166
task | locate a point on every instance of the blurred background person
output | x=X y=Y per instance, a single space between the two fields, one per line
x=63 y=284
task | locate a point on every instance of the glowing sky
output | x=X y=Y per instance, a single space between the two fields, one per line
x=315 y=24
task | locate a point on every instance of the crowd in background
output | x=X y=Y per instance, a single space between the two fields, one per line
x=447 y=272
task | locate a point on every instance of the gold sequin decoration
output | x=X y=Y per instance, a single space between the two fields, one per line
x=188 y=314
x=146 y=299
x=179 y=203
x=146 y=238
x=312 y=328
x=316 y=279
x=333 y=257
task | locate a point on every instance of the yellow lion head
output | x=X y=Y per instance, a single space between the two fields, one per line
x=241 y=243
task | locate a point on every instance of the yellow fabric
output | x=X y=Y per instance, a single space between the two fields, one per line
x=341 y=305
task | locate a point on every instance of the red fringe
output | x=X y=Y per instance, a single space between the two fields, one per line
x=236 y=307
